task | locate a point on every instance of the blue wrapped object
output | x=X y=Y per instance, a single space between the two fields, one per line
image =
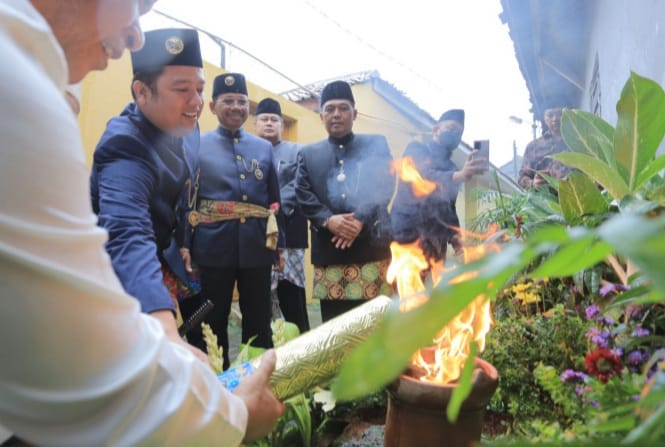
x=231 y=377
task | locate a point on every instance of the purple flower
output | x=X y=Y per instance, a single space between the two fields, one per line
x=592 y=332
x=570 y=375
x=611 y=288
x=606 y=289
x=600 y=338
x=606 y=321
x=634 y=358
x=579 y=390
x=591 y=312
x=617 y=351
x=640 y=332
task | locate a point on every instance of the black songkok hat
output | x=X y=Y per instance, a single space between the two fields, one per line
x=268 y=105
x=229 y=83
x=453 y=115
x=337 y=90
x=169 y=46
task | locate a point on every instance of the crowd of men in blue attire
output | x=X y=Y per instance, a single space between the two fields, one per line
x=191 y=216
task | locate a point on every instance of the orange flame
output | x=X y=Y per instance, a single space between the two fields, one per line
x=407 y=172
x=441 y=363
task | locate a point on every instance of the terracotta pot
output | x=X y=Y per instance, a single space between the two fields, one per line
x=417 y=411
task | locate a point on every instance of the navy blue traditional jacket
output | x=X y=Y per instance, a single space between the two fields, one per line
x=235 y=168
x=140 y=179
x=337 y=176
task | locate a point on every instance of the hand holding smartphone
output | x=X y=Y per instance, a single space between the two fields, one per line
x=482 y=150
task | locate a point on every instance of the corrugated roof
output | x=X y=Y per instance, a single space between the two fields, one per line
x=551 y=43
x=314 y=90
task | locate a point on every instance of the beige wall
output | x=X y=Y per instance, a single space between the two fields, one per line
x=375 y=115
x=105 y=94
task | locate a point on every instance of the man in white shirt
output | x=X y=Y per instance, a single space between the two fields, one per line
x=105 y=375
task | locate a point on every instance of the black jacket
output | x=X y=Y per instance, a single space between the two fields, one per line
x=364 y=189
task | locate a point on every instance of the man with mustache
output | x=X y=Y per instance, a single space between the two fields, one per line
x=235 y=234
x=81 y=364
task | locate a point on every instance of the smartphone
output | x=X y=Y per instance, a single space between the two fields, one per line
x=482 y=148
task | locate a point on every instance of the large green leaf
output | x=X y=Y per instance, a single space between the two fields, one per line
x=464 y=387
x=640 y=239
x=573 y=257
x=640 y=125
x=653 y=168
x=579 y=196
x=588 y=134
x=598 y=170
x=637 y=205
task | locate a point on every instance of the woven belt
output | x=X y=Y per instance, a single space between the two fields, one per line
x=211 y=211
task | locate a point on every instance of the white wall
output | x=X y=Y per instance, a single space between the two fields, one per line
x=627 y=35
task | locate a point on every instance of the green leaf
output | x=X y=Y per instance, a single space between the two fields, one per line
x=598 y=170
x=302 y=417
x=549 y=235
x=631 y=295
x=640 y=239
x=640 y=125
x=464 y=385
x=579 y=196
x=653 y=168
x=649 y=430
x=637 y=206
x=616 y=424
x=571 y=258
x=588 y=134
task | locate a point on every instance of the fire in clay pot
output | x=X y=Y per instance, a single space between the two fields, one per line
x=418 y=399
x=417 y=411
